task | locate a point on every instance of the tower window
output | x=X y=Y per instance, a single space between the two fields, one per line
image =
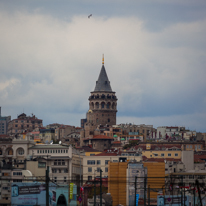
x=97 y=120
x=97 y=105
x=108 y=120
x=102 y=105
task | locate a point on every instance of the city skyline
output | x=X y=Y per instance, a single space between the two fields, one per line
x=154 y=55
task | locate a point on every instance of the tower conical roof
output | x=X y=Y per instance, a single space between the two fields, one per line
x=103 y=83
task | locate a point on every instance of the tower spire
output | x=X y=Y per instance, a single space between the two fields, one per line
x=103 y=83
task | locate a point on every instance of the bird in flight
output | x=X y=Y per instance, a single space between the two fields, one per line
x=89 y=15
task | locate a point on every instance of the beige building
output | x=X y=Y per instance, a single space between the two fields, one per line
x=12 y=156
x=93 y=164
x=57 y=157
x=147 y=131
x=47 y=135
x=63 y=131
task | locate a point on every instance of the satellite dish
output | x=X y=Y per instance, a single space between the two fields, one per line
x=60 y=142
x=51 y=142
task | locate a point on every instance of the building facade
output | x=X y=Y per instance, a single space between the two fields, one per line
x=23 y=123
x=4 y=123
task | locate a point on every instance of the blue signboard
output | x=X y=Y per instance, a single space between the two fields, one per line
x=137 y=199
x=32 y=193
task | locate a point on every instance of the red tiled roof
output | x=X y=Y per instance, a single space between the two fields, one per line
x=199 y=158
x=99 y=137
x=105 y=153
x=117 y=142
x=4 y=136
x=144 y=158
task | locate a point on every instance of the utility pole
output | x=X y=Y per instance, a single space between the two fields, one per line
x=47 y=186
x=148 y=195
x=94 y=192
x=145 y=185
x=100 y=187
x=198 y=188
x=181 y=190
x=184 y=196
x=194 y=195
x=135 y=189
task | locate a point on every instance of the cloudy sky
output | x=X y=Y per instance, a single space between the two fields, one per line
x=155 y=58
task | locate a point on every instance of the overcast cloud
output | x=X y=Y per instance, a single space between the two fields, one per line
x=155 y=57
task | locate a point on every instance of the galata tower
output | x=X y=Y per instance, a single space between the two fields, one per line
x=102 y=104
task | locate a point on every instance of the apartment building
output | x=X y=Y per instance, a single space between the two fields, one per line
x=12 y=163
x=4 y=123
x=93 y=164
x=23 y=123
x=147 y=131
x=57 y=157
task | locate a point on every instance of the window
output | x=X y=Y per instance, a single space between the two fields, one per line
x=10 y=152
x=20 y=151
x=176 y=154
x=162 y=155
x=169 y=154
x=89 y=177
x=17 y=173
x=106 y=162
x=45 y=151
x=89 y=169
x=41 y=164
x=98 y=162
x=65 y=170
x=59 y=162
x=98 y=169
x=60 y=171
x=91 y=162
x=54 y=170
x=0 y=152
x=106 y=169
x=191 y=176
